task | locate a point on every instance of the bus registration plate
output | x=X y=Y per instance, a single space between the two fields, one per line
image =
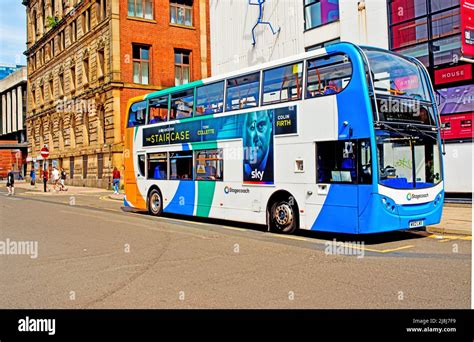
x=415 y=224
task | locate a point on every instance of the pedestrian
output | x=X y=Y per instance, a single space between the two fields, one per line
x=63 y=180
x=10 y=183
x=116 y=182
x=33 y=177
x=45 y=180
x=55 y=176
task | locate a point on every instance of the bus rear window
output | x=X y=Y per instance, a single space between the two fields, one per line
x=328 y=75
x=137 y=114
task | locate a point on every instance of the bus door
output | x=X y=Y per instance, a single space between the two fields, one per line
x=334 y=203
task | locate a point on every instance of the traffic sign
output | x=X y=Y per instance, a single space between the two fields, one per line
x=44 y=152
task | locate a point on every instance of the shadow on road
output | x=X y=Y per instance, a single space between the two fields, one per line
x=367 y=239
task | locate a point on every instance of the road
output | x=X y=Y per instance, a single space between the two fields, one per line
x=92 y=254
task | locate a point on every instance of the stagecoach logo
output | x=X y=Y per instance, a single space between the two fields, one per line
x=228 y=189
x=415 y=196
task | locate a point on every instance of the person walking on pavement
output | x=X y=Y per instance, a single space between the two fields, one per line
x=116 y=178
x=63 y=180
x=45 y=180
x=10 y=183
x=55 y=175
x=33 y=177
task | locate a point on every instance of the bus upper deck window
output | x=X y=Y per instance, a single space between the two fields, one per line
x=242 y=92
x=282 y=84
x=182 y=104
x=158 y=110
x=210 y=99
x=137 y=114
x=328 y=75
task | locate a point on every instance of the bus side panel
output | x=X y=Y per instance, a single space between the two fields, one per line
x=339 y=213
x=182 y=202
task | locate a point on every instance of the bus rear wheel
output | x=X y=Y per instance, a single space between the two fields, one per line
x=283 y=217
x=155 y=202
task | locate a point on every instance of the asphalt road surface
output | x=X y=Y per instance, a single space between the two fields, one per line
x=92 y=254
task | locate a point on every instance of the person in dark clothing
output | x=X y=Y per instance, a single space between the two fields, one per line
x=10 y=183
x=45 y=180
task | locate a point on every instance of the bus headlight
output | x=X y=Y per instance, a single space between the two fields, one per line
x=438 y=199
x=388 y=203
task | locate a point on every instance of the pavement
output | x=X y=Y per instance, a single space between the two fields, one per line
x=456 y=219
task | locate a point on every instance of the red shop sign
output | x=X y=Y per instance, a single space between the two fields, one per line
x=467 y=28
x=453 y=74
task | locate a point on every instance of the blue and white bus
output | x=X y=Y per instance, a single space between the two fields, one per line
x=342 y=139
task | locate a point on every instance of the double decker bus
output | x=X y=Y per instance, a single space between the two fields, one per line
x=342 y=139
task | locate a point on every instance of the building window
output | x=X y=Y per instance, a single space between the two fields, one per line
x=51 y=89
x=85 y=160
x=446 y=23
x=72 y=32
x=86 y=21
x=61 y=84
x=101 y=9
x=403 y=10
x=100 y=64
x=429 y=30
x=320 y=12
x=181 y=12
x=72 y=79
x=140 y=9
x=42 y=94
x=409 y=33
x=71 y=167
x=141 y=64
x=182 y=69
x=85 y=72
x=447 y=50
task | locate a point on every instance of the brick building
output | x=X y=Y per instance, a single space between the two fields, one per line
x=87 y=58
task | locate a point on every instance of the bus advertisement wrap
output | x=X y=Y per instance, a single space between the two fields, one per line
x=256 y=129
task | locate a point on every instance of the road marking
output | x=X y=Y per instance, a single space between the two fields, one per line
x=290 y=237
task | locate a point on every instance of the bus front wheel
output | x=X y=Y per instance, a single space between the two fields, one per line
x=155 y=202
x=283 y=217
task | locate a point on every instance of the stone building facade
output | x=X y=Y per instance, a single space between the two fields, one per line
x=83 y=68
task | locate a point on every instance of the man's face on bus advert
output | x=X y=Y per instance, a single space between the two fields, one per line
x=257 y=135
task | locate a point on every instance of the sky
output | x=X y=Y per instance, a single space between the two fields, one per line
x=12 y=32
